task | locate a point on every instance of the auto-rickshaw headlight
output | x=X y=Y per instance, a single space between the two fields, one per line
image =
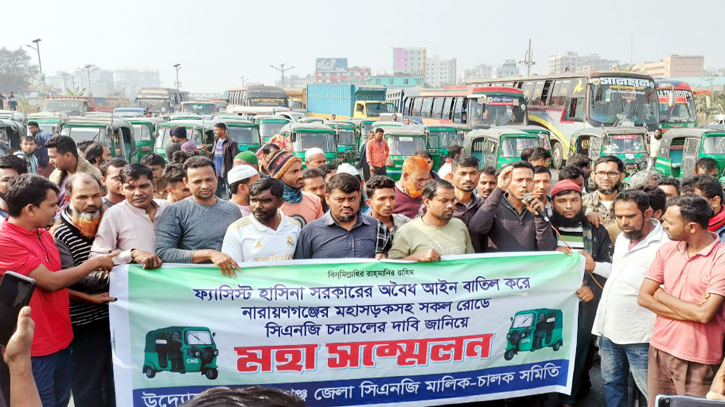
x=197 y=354
x=216 y=353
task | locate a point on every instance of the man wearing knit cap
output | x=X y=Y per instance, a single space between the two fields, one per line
x=303 y=206
x=240 y=179
x=576 y=233
x=247 y=158
x=315 y=157
x=173 y=145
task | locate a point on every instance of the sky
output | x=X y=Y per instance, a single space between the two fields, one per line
x=219 y=42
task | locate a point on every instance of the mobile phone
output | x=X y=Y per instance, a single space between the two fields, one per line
x=15 y=293
x=682 y=401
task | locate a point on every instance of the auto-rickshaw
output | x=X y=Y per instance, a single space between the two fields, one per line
x=346 y=140
x=440 y=137
x=362 y=127
x=144 y=134
x=17 y=117
x=461 y=131
x=197 y=131
x=544 y=135
x=244 y=132
x=10 y=133
x=114 y=132
x=403 y=142
x=499 y=146
x=309 y=135
x=626 y=143
x=385 y=124
x=185 y=116
x=269 y=125
x=181 y=349
x=681 y=148
x=311 y=120
x=534 y=329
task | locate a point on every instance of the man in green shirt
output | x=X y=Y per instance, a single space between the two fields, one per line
x=435 y=234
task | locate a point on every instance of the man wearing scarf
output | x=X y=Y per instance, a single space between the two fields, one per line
x=301 y=206
x=409 y=189
x=74 y=234
x=709 y=188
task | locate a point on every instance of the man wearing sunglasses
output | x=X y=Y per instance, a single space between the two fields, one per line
x=608 y=176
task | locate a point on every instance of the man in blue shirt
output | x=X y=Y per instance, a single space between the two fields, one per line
x=41 y=152
x=224 y=150
x=12 y=101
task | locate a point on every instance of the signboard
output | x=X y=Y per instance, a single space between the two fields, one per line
x=499 y=100
x=331 y=65
x=349 y=333
x=680 y=96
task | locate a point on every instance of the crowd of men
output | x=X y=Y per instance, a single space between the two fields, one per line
x=653 y=286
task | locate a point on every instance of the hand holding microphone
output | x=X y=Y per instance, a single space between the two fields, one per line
x=536 y=206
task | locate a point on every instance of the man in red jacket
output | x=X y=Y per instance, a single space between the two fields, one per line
x=409 y=190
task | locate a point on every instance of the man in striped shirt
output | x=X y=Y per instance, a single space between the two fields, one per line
x=576 y=233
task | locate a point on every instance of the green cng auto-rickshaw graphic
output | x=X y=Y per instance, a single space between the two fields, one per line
x=534 y=329
x=182 y=350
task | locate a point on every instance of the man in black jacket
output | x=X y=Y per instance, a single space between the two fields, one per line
x=223 y=150
x=577 y=234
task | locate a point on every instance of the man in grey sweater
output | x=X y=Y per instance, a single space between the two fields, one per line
x=513 y=225
x=192 y=230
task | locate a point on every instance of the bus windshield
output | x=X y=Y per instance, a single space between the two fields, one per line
x=325 y=141
x=376 y=108
x=523 y=321
x=513 y=146
x=79 y=134
x=619 y=100
x=623 y=144
x=281 y=102
x=154 y=105
x=683 y=111
x=70 y=107
x=406 y=146
x=506 y=111
x=346 y=138
x=443 y=139
x=243 y=135
x=198 y=338
x=714 y=145
x=269 y=129
x=200 y=108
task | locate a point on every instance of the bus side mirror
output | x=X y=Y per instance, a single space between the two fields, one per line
x=213 y=334
x=512 y=319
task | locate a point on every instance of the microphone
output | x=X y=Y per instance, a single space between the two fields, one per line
x=530 y=197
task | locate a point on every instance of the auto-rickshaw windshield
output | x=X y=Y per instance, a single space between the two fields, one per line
x=375 y=109
x=443 y=139
x=243 y=135
x=79 y=134
x=70 y=107
x=269 y=129
x=198 y=338
x=346 y=138
x=200 y=108
x=406 y=146
x=325 y=141
x=141 y=132
x=714 y=145
x=513 y=146
x=523 y=321
x=623 y=143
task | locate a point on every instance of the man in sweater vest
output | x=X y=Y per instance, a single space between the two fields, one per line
x=409 y=189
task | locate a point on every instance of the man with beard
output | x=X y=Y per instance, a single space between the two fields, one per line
x=299 y=205
x=343 y=232
x=435 y=234
x=315 y=157
x=708 y=187
x=130 y=227
x=11 y=166
x=685 y=287
x=28 y=249
x=623 y=326
x=512 y=223
x=486 y=181
x=464 y=176
x=74 y=234
x=184 y=233
x=654 y=148
x=608 y=177
x=315 y=185
x=267 y=235
x=577 y=234
x=64 y=156
x=240 y=178
x=409 y=189
x=109 y=178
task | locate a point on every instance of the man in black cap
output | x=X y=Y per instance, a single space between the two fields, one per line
x=174 y=145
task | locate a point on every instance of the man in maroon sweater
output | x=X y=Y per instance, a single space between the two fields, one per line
x=409 y=190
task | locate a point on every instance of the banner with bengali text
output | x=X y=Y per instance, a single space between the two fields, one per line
x=349 y=332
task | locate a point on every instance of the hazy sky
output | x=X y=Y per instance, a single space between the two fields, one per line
x=218 y=42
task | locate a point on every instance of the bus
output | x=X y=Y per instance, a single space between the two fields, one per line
x=677 y=104
x=161 y=100
x=565 y=103
x=198 y=107
x=256 y=96
x=475 y=107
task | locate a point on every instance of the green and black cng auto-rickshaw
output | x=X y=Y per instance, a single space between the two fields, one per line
x=534 y=329
x=10 y=133
x=461 y=131
x=362 y=128
x=116 y=133
x=440 y=137
x=181 y=349
x=310 y=135
x=269 y=125
x=403 y=142
x=48 y=122
x=201 y=133
x=681 y=148
x=544 y=135
x=144 y=134
x=499 y=146
x=626 y=143
x=346 y=140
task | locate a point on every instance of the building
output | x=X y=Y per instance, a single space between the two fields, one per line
x=440 y=72
x=573 y=62
x=397 y=81
x=336 y=70
x=674 y=66
x=128 y=82
x=410 y=61
x=477 y=72
x=507 y=69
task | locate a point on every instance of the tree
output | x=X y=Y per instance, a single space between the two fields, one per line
x=16 y=70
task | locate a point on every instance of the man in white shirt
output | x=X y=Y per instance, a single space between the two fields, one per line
x=240 y=178
x=625 y=328
x=130 y=226
x=267 y=235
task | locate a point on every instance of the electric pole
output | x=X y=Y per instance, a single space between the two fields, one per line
x=243 y=77
x=178 y=85
x=89 y=70
x=528 y=60
x=283 y=70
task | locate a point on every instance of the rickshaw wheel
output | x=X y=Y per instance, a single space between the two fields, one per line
x=557 y=345
x=557 y=155
x=509 y=354
x=149 y=372
x=211 y=374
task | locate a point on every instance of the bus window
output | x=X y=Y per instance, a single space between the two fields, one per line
x=545 y=93
x=417 y=106
x=437 y=108
x=528 y=89
x=561 y=93
x=464 y=111
x=457 y=109
x=447 y=109
x=536 y=95
x=555 y=100
x=427 y=104
x=575 y=109
x=406 y=107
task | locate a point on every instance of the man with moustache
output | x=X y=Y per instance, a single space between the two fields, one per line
x=409 y=189
x=74 y=234
x=511 y=223
x=302 y=206
x=542 y=186
x=380 y=191
x=315 y=185
x=608 y=176
x=486 y=181
x=109 y=178
x=577 y=234
x=624 y=328
x=464 y=176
